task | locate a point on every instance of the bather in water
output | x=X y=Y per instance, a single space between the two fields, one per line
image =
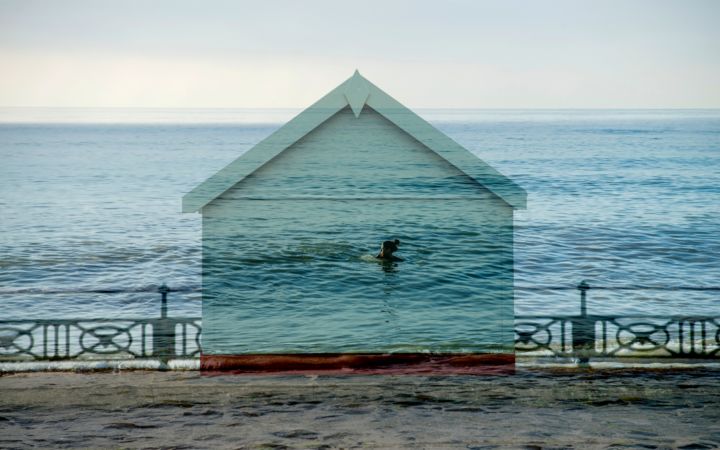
x=387 y=248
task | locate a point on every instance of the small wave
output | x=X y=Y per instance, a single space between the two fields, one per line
x=620 y=131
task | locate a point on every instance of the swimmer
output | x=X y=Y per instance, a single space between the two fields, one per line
x=387 y=249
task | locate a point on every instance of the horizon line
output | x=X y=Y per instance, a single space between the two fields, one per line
x=448 y=108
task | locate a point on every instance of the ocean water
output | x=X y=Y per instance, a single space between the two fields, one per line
x=620 y=198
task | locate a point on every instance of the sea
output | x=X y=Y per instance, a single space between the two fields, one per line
x=625 y=200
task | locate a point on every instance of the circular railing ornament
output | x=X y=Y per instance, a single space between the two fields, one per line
x=15 y=341
x=642 y=336
x=532 y=336
x=107 y=339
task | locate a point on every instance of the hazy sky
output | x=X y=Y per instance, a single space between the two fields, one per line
x=273 y=53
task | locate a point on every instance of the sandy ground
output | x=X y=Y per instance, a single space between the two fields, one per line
x=532 y=409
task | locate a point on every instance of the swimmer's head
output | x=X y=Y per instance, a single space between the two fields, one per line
x=387 y=248
x=390 y=246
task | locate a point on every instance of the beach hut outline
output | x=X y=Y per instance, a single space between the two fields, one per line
x=352 y=98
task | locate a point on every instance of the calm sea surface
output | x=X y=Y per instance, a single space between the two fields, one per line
x=91 y=199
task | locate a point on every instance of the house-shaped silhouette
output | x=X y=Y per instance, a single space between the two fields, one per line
x=291 y=229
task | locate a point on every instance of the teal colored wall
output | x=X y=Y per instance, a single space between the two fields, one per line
x=288 y=253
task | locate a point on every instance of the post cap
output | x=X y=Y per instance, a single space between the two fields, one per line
x=583 y=286
x=163 y=289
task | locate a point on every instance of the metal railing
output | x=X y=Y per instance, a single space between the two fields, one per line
x=579 y=337
x=586 y=336
x=162 y=338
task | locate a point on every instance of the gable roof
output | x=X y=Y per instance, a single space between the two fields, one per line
x=355 y=92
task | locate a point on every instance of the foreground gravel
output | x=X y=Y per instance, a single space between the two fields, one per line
x=532 y=409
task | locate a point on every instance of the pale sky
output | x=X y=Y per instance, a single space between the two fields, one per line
x=437 y=54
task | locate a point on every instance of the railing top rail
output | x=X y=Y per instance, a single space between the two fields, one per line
x=517 y=317
x=95 y=319
x=619 y=288
x=97 y=291
x=619 y=316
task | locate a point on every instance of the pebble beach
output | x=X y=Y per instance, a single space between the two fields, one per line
x=535 y=408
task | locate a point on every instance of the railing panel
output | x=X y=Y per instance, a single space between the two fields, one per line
x=609 y=336
x=97 y=338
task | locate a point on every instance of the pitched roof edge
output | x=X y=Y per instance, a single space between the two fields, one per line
x=353 y=91
x=265 y=150
x=437 y=141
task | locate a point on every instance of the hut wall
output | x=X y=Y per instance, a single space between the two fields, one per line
x=288 y=253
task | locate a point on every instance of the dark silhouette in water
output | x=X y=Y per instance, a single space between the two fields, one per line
x=387 y=248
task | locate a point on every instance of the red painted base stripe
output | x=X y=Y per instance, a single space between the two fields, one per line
x=349 y=363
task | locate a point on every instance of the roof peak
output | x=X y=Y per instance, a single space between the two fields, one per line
x=356 y=91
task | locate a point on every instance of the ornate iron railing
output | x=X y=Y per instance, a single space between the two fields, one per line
x=609 y=336
x=580 y=337
x=586 y=336
x=121 y=338
x=100 y=338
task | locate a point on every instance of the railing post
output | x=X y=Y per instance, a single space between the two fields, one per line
x=583 y=330
x=163 y=290
x=163 y=330
x=583 y=288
